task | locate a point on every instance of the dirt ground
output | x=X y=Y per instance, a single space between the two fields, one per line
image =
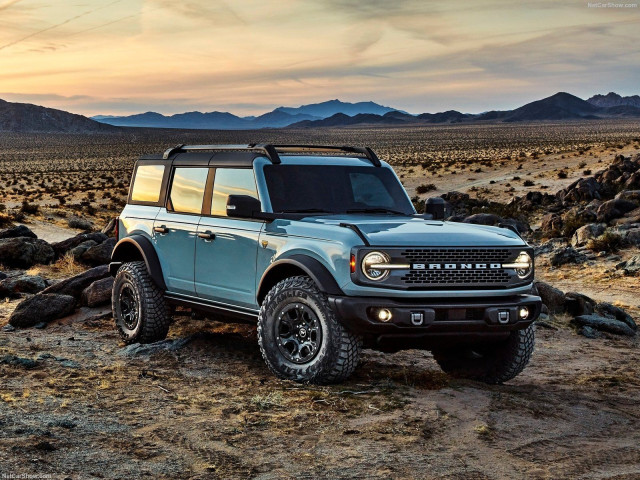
x=76 y=403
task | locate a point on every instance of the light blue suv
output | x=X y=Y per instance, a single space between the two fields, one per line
x=322 y=247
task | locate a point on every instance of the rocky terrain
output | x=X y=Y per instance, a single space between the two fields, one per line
x=76 y=403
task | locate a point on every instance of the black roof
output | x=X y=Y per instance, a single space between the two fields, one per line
x=243 y=155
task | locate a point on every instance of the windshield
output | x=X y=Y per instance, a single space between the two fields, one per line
x=335 y=189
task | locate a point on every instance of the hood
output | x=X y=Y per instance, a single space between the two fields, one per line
x=410 y=231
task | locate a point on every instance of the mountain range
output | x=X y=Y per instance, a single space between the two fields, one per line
x=22 y=117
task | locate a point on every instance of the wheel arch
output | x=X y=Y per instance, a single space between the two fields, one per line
x=138 y=247
x=297 y=265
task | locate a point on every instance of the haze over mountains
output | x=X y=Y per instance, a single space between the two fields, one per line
x=21 y=117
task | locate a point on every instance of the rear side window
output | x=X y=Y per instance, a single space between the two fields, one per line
x=231 y=181
x=187 y=190
x=147 y=183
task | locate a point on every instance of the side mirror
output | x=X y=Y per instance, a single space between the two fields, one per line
x=435 y=207
x=243 y=206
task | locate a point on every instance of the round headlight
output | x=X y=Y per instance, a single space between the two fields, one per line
x=525 y=264
x=371 y=260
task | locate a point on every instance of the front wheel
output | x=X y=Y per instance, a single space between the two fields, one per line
x=139 y=308
x=300 y=336
x=490 y=363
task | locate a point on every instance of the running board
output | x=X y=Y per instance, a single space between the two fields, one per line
x=208 y=306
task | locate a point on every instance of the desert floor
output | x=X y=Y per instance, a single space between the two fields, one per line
x=204 y=405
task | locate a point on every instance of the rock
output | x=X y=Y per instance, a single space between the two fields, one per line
x=3 y=276
x=22 y=284
x=18 y=361
x=8 y=328
x=137 y=349
x=80 y=223
x=631 y=267
x=582 y=236
x=64 y=246
x=629 y=195
x=483 y=219
x=24 y=252
x=41 y=308
x=584 y=189
x=17 y=231
x=588 y=332
x=613 y=209
x=553 y=298
x=567 y=255
x=579 y=304
x=98 y=293
x=608 y=310
x=604 y=324
x=99 y=254
x=109 y=227
x=550 y=245
x=630 y=217
x=77 y=252
x=633 y=182
x=74 y=286
x=551 y=222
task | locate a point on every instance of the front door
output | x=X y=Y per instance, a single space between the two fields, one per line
x=175 y=228
x=226 y=248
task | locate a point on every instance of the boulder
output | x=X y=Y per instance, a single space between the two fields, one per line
x=483 y=219
x=17 y=231
x=631 y=267
x=64 y=246
x=110 y=227
x=550 y=245
x=98 y=293
x=608 y=310
x=22 y=284
x=24 y=252
x=41 y=308
x=630 y=217
x=579 y=304
x=630 y=233
x=567 y=255
x=76 y=252
x=553 y=298
x=551 y=222
x=74 y=286
x=80 y=223
x=588 y=232
x=604 y=324
x=584 y=189
x=629 y=195
x=633 y=182
x=613 y=209
x=99 y=254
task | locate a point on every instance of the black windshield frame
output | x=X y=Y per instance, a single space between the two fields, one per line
x=335 y=189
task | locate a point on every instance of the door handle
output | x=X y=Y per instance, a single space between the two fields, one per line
x=207 y=235
x=161 y=229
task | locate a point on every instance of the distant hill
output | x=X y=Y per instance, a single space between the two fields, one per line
x=331 y=107
x=450 y=116
x=561 y=106
x=25 y=117
x=612 y=99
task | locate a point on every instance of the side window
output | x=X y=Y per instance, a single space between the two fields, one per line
x=370 y=190
x=231 y=181
x=147 y=183
x=187 y=190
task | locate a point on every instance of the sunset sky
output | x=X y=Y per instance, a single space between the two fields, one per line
x=247 y=57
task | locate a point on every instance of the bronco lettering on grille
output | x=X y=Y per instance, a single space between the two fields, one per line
x=455 y=266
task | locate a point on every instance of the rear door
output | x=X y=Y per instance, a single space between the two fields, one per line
x=175 y=227
x=225 y=269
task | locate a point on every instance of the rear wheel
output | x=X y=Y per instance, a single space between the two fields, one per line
x=139 y=308
x=490 y=363
x=300 y=336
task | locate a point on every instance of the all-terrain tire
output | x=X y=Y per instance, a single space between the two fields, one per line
x=492 y=363
x=339 y=350
x=152 y=313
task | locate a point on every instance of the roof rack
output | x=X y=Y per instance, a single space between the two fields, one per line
x=273 y=151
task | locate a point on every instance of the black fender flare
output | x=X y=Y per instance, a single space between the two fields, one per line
x=133 y=246
x=312 y=267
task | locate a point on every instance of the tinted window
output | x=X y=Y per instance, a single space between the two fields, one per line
x=187 y=190
x=335 y=189
x=231 y=181
x=147 y=183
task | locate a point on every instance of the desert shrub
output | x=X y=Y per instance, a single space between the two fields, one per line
x=5 y=220
x=528 y=183
x=582 y=164
x=562 y=174
x=587 y=172
x=571 y=222
x=425 y=187
x=29 y=208
x=607 y=242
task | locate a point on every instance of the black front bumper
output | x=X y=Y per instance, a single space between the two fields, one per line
x=436 y=317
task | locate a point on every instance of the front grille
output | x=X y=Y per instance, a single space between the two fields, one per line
x=457 y=278
x=457 y=255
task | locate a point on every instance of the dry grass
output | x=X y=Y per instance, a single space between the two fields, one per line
x=65 y=267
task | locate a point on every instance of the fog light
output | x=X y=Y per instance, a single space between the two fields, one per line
x=384 y=314
x=524 y=313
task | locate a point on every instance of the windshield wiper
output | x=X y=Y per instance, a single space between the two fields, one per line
x=376 y=210
x=306 y=210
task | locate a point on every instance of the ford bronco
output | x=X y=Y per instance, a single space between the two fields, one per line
x=322 y=247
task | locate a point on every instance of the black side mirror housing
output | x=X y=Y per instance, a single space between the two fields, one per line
x=435 y=207
x=243 y=206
